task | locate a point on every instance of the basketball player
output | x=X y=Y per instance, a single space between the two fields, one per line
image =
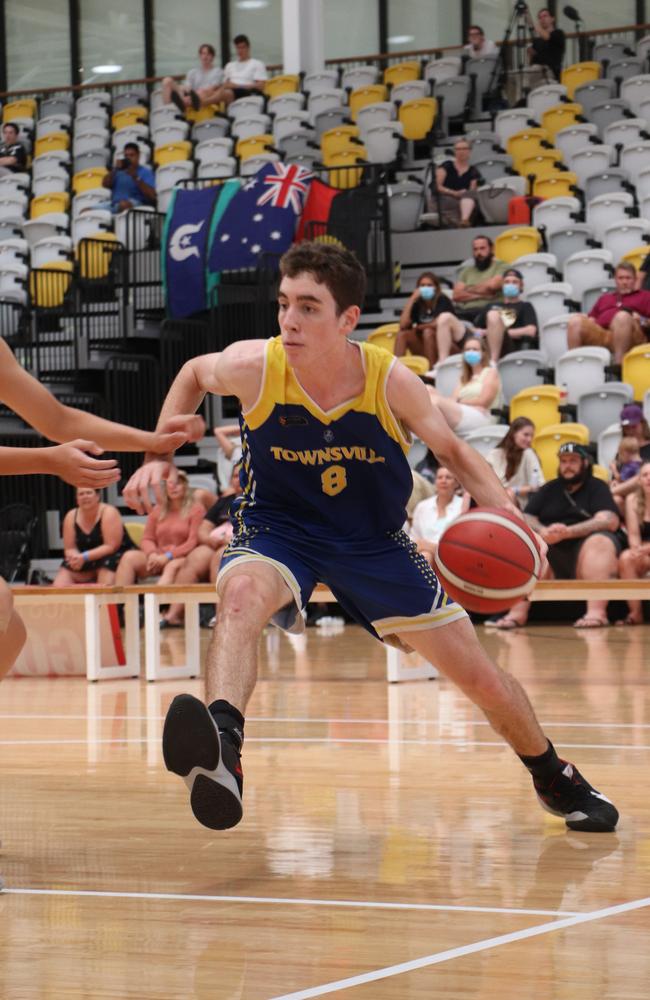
x=73 y=461
x=325 y=430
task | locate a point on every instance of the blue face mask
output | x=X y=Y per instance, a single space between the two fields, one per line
x=472 y=357
x=510 y=291
x=427 y=292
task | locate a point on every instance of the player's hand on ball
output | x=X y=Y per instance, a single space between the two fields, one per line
x=145 y=487
x=74 y=463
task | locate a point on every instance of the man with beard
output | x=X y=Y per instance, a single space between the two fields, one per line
x=478 y=286
x=618 y=320
x=576 y=516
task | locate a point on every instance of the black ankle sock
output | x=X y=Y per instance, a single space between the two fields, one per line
x=544 y=767
x=229 y=720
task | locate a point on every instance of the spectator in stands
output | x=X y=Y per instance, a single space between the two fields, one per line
x=633 y=424
x=634 y=562
x=576 y=516
x=131 y=183
x=214 y=534
x=478 y=45
x=242 y=77
x=512 y=324
x=93 y=541
x=625 y=466
x=417 y=324
x=455 y=182
x=477 y=391
x=171 y=532
x=13 y=158
x=547 y=48
x=478 y=286
x=618 y=320
x=431 y=516
x=515 y=462
x=198 y=82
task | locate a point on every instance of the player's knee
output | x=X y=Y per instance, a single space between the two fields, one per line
x=246 y=595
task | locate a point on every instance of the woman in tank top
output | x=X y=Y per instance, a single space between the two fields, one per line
x=93 y=541
x=477 y=391
x=634 y=562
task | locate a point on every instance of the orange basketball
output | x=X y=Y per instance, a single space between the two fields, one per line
x=488 y=559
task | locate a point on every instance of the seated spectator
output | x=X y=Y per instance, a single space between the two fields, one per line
x=202 y=563
x=241 y=77
x=634 y=563
x=510 y=325
x=422 y=488
x=131 y=182
x=634 y=424
x=625 y=466
x=617 y=321
x=431 y=516
x=477 y=391
x=417 y=324
x=515 y=462
x=576 y=516
x=93 y=542
x=547 y=48
x=478 y=286
x=13 y=157
x=478 y=45
x=455 y=182
x=203 y=78
x=170 y=534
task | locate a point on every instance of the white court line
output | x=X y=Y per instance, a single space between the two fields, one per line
x=468 y=949
x=281 y=901
x=331 y=739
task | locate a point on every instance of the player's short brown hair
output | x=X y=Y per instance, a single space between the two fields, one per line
x=333 y=266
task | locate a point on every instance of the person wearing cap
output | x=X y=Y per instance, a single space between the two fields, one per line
x=618 y=320
x=510 y=325
x=634 y=424
x=577 y=517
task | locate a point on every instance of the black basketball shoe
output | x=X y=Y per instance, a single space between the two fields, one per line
x=571 y=796
x=206 y=760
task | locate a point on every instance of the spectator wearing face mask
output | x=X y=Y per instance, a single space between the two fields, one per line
x=512 y=324
x=419 y=319
x=478 y=390
x=478 y=286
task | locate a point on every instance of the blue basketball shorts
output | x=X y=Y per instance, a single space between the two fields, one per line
x=384 y=583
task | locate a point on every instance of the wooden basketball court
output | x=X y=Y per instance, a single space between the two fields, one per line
x=391 y=846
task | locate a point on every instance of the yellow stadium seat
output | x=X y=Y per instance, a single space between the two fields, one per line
x=88 y=180
x=560 y=116
x=540 y=403
x=253 y=146
x=347 y=159
x=172 y=152
x=542 y=164
x=636 y=256
x=547 y=441
x=129 y=116
x=94 y=254
x=402 y=72
x=600 y=472
x=561 y=184
x=417 y=117
x=579 y=73
x=362 y=96
x=43 y=204
x=385 y=336
x=335 y=140
x=51 y=143
x=288 y=83
x=516 y=242
x=23 y=108
x=49 y=285
x=135 y=531
x=416 y=363
x=636 y=370
x=204 y=114
x=528 y=142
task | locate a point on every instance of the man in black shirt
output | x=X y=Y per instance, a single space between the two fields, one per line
x=577 y=517
x=511 y=325
x=547 y=48
x=12 y=153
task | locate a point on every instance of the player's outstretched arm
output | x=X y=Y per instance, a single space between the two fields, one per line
x=73 y=462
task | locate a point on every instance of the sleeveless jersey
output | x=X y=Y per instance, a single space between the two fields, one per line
x=336 y=475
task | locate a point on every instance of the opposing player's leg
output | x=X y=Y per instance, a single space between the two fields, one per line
x=561 y=789
x=12 y=630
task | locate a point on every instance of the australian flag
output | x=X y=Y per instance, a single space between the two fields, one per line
x=261 y=218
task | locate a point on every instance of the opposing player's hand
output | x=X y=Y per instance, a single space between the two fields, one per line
x=144 y=488
x=192 y=425
x=73 y=462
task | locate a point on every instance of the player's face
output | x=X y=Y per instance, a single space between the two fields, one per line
x=309 y=324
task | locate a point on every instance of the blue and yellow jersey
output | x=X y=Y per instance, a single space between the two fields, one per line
x=336 y=474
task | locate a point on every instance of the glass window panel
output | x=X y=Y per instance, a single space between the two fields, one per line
x=261 y=20
x=38 y=44
x=351 y=29
x=112 y=34
x=177 y=37
x=423 y=24
x=495 y=16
